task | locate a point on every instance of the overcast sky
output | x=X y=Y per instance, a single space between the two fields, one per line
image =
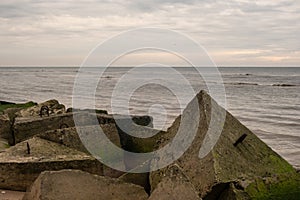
x=234 y=32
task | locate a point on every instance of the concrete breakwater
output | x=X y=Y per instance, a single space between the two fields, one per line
x=44 y=156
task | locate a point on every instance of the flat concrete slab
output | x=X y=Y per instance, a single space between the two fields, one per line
x=18 y=169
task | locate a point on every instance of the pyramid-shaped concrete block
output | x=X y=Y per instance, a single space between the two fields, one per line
x=21 y=164
x=224 y=152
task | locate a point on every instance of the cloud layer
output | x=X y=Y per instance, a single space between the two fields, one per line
x=234 y=32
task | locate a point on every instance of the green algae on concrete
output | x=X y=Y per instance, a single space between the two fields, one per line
x=285 y=186
x=14 y=105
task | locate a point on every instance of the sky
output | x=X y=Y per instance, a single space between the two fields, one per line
x=233 y=32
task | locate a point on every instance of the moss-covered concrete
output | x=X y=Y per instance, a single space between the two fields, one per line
x=14 y=105
x=279 y=187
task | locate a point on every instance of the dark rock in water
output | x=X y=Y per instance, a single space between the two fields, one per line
x=6 y=103
x=18 y=169
x=226 y=163
x=283 y=85
x=172 y=183
x=75 y=184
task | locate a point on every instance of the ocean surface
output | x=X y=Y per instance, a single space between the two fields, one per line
x=265 y=99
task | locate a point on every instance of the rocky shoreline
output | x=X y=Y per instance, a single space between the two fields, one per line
x=42 y=154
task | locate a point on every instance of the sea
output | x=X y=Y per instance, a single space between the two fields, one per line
x=265 y=99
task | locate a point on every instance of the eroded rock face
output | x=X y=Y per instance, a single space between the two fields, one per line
x=237 y=155
x=21 y=164
x=141 y=179
x=70 y=138
x=74 y=184
x=171 y=183
x=53 y=106
x=5 y=127
x=25 y=128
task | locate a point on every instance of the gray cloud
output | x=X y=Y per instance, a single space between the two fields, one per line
x=224 y=27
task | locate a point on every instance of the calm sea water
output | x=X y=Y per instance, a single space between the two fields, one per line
x=252 y=94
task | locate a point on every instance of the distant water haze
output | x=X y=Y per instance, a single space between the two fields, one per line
x=265 y=99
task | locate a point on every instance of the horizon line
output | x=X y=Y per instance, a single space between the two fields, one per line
x=74 y=66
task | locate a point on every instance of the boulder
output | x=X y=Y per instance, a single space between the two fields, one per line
x=75 y=184
x=21 y=164
x=237 y=155
x=53 y=107
x=5 y=103
x=171 y=183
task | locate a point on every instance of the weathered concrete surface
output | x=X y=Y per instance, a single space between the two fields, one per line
x=227 y=162
x=172 y=184
x=11 y=195
x=3 y=145
x=75 y=184
x=229 y=191
x=139 y=144
x=26 y=127
x=141 y=179
x=87 y=110
x=53 y=105
x=70 y=138
x=5 y=127
x=18 y=169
